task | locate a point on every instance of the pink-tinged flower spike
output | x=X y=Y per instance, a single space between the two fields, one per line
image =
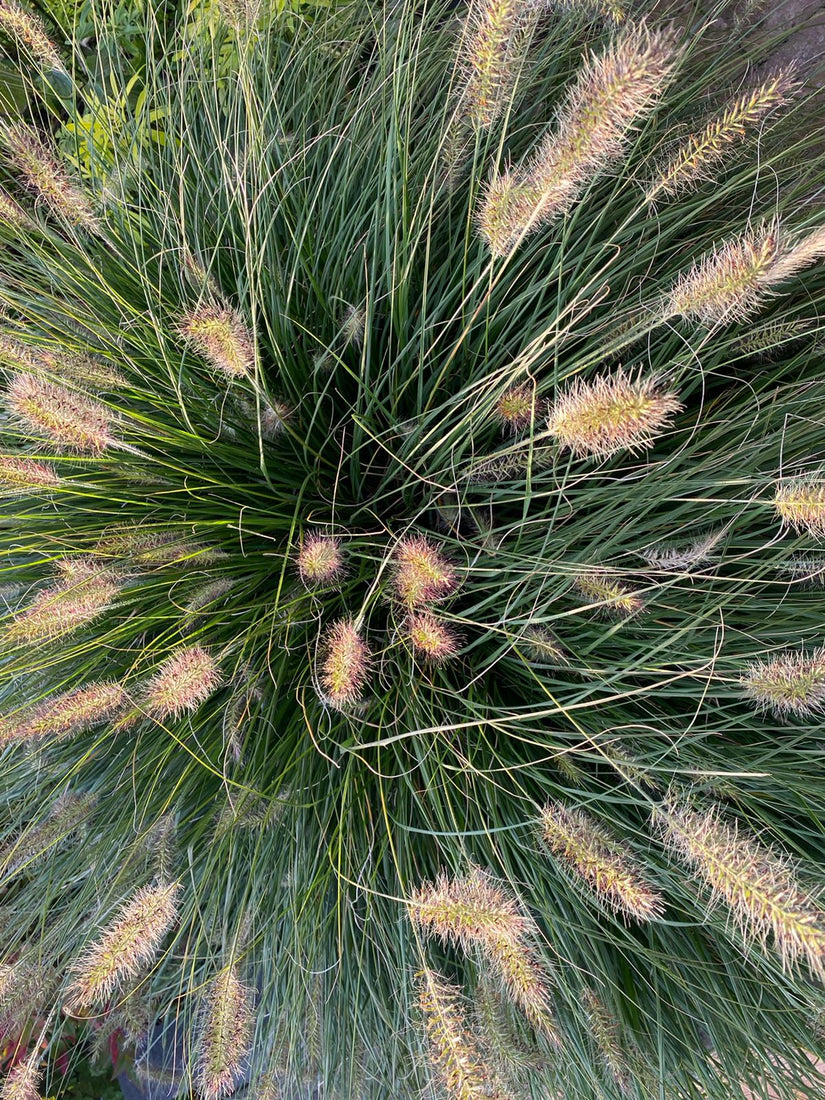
x=432 y=639
x=62 y=609
x=221 y=336
x=611 y=413
x=73 y=712
x=19 y=476
x=344 y=667
x=792 y=684
x=22 y=1081
x=608 y=592
x=45 y=177
x=614 y=90
x=320 y=560
x=758 y=886
x=455 y=1060
x=225 y=1038
x=127 y=945
x=185 y=680
x=800 y=503
x=421 y=573
x=72 y=421
x=601 y=861
x=516 y=409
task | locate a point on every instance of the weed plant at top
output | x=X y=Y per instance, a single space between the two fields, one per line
x=413 y=487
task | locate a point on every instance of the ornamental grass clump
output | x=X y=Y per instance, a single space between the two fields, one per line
x=412 y=552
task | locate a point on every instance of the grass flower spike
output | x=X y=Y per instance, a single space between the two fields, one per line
x=610 y=872
x=704 y=151
x=182 y=683
x=345 y=665
x=28 y=31
x=46 y=178
x=73 y=712
x=68 y=419
x=320 y=559
x=610 y=414
x=62 y=609
x=421 y=574
x=127 y=945
x=22 y=475
x=432 y=639
x=614 y=90
x=454 y=1056
x=606 y=590
x=791 y=685
x=800 y=503
x=22 y=1080
x=221 y=336
x=757 y=885
x=488 y=58
x=225 y=1035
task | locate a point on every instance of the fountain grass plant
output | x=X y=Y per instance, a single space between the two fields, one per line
x=412 y=514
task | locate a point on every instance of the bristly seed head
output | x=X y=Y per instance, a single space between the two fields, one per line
x=185 y=680
x=421 y=573
x=611 y=413
x=488 y=58
x=22 y=1080
x=792 y=684
x=597 y=856
x=28 y=31
x=758 y=886
x=345 y=665
x=20 y=475
x=606 y=1036
x=225 y=1037
x=542 y=645
x=432 y=639
x=606 y=589
x=63 y=608
x=320 y=559
x=221 y=336
x=454 y=1057
x=124 y=947
x=69 y=419
x=516 y=408
x=73 y=712
x=800 y=503
x=45 y=177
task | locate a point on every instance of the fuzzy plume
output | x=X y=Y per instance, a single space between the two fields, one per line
x=154 y=547
x=604 y=1031
x=614 y=90
x=421 y=573
x=611 y=413
x=320 y=559
x=22 y=1081
x=28 y=31
x=72 y=421
x=729 y=284
x=431 y=638
x=758 y=885
x=606 y=590
x=66 y=818
x=454 y=1057
x=488 y=58
x=61 y=609
x=45 y=177
x=222 y=337
x=344 y=667
x=671 y=558
x=792 y=685
x=704 y=151
x=516 y=408
x=601 y=860
x=542 y=645
x=474 y=912
x=225 y=1038
x=125 y=946
x=19 y=475
x=185 y=680
x=800 y=503
x=12 y=213
x=73 y=712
